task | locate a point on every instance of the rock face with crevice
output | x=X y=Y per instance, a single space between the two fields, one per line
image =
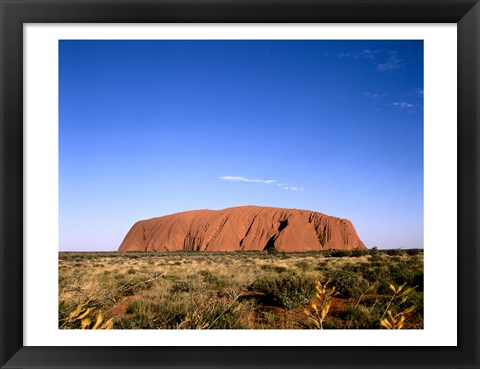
x=242 y=228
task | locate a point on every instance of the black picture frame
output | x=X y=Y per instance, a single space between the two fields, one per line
x=14 y=13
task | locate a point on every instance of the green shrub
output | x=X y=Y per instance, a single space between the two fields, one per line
x=273 y=268
x=358 y=317
x=322 y=265
x=373 y=251
x=288 y=291
x=418 y=281
x=138 y=306
x=340 y=253
x=412 y=252
x=153 y=315
x=417 y=299
x=213 y=281
x=224 y=315
x=358 y=253
x=183 y=285
x=394 y=252
x=270 y=249
x=332 y=322
x=408 y=272
x=302 y=265
x=137 y=321
x=349 y=284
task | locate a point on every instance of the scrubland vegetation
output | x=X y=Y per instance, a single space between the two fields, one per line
x=337 y=289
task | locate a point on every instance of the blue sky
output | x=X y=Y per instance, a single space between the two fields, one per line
x=149 y=128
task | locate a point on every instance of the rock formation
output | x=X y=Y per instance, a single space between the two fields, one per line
x=242 y=228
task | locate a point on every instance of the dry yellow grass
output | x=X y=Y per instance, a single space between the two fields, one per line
x=199 y=290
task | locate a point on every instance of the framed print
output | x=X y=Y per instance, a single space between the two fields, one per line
x=167 y=169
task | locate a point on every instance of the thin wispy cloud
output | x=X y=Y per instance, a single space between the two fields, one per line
x=363 y=54
x=380 y=58
x=374 y=96
x=244 y=179
x=403 y=105
x=289 y=187
x=293 y=188
x=263 y=181
x=379 y=100
x=393 y=62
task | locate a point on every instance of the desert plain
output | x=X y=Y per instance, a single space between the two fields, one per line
x=241 y=290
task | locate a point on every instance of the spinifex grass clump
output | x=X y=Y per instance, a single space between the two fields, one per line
x=184 y=312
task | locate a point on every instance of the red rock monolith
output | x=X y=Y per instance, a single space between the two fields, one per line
x=242 y=228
